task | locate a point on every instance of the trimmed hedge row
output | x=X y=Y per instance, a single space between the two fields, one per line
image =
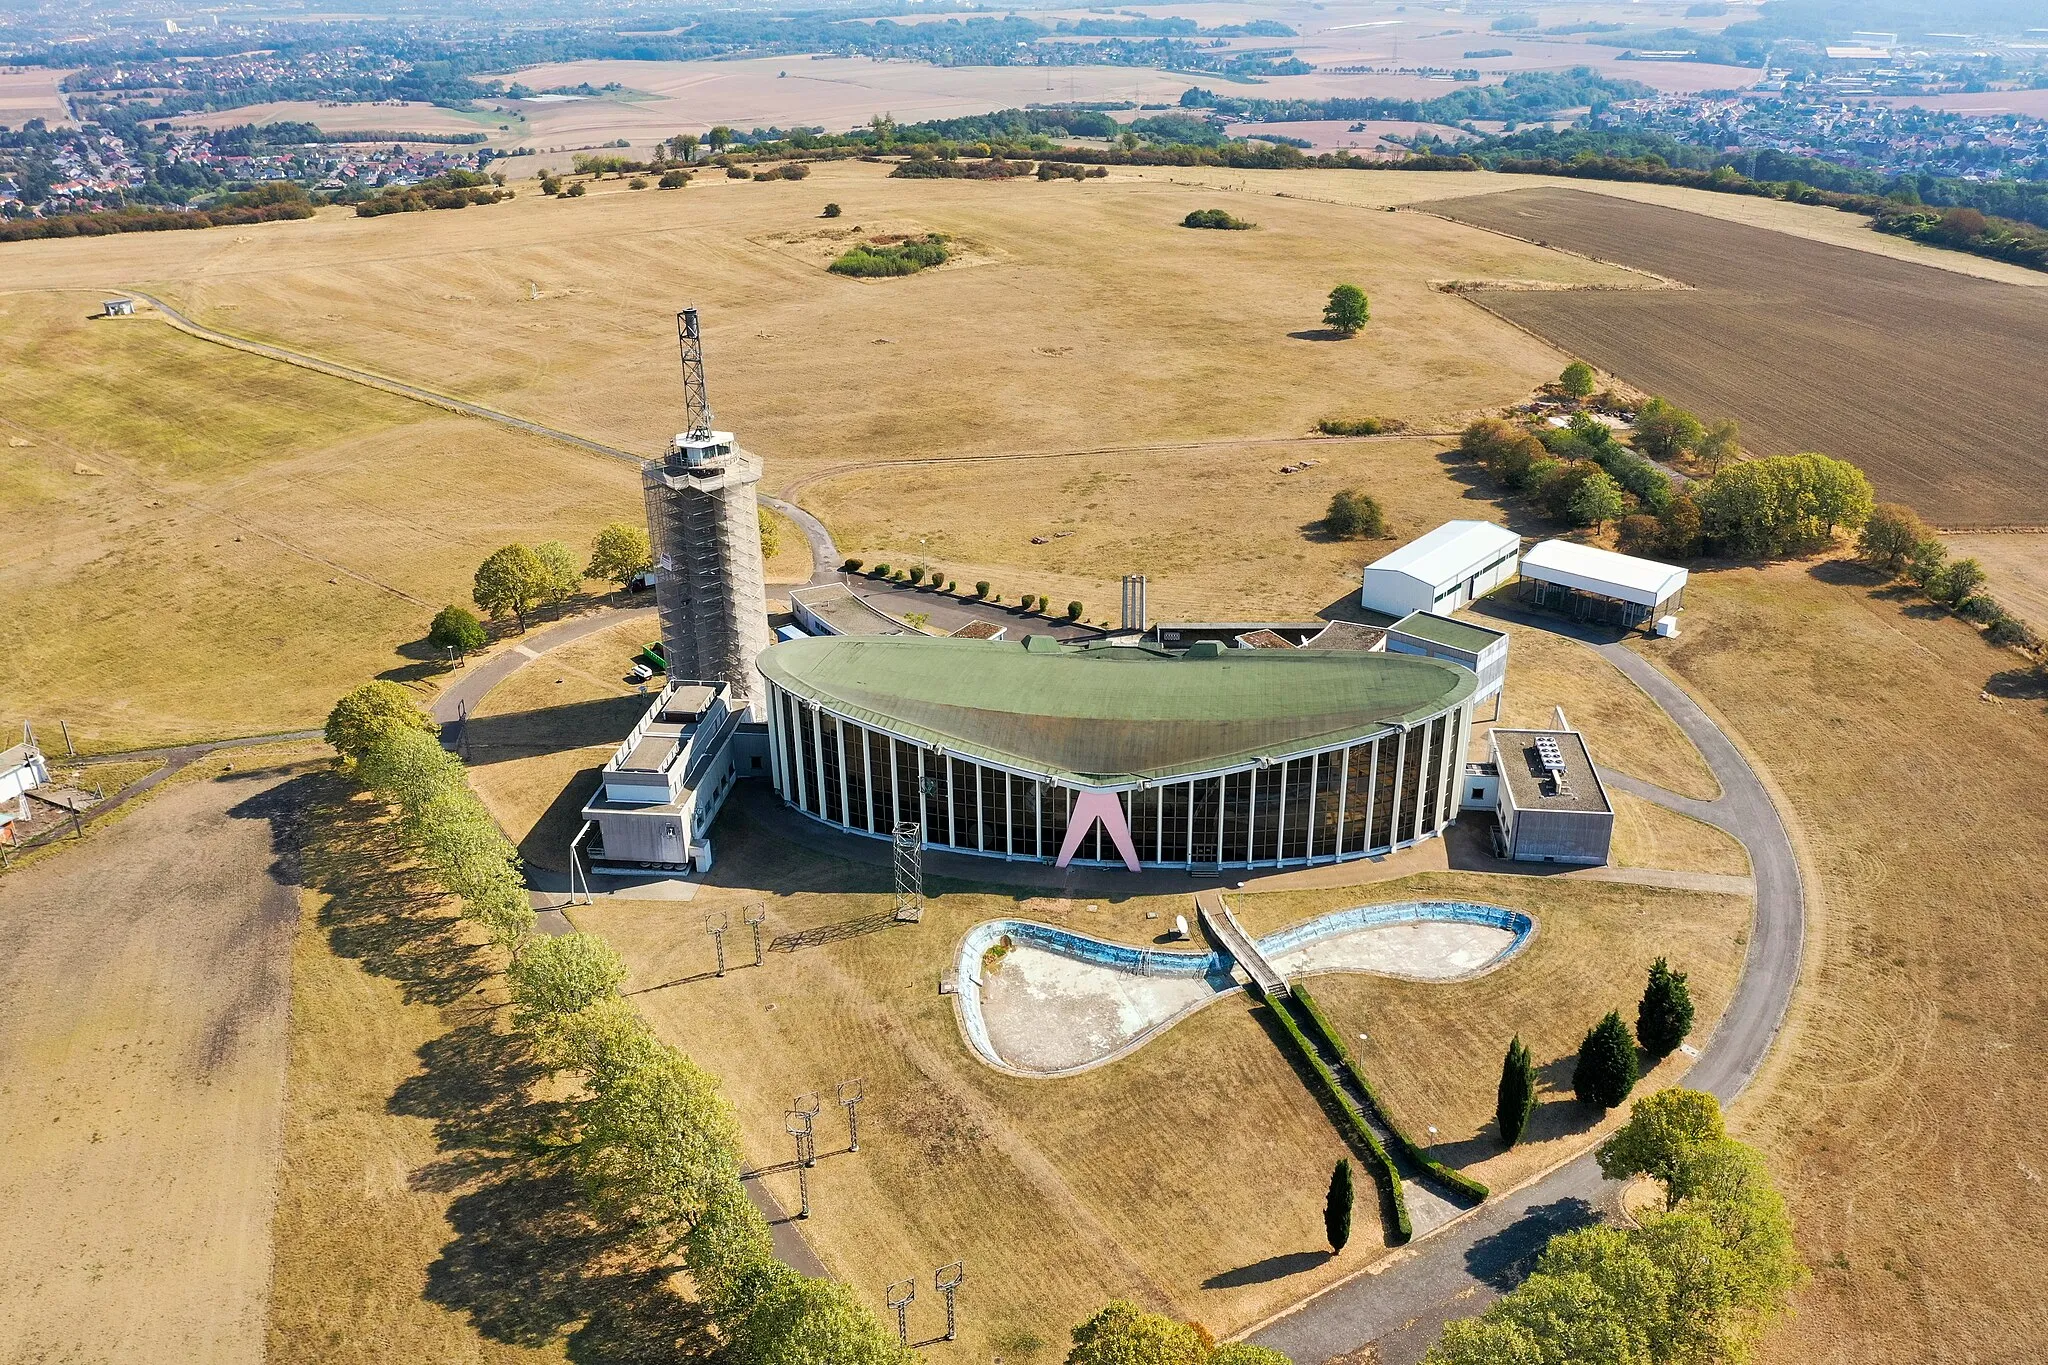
x=1334 y=1040
x=1353 y=1125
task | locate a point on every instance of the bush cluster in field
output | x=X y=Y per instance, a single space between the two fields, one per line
x=1216 y=218
x=880 y=259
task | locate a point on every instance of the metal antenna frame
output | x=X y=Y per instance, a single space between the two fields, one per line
x=797 y=1124
x=900 y=1293
x=909 y=863
x=755 y=916
x=696 y=402
x=947 y=1279
x=809 y=1104
x=716 y=922
x=850 y=1094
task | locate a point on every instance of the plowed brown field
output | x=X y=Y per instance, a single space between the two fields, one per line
x=1928 y=380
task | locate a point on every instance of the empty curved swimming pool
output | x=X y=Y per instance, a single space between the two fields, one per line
x=1037 y=1000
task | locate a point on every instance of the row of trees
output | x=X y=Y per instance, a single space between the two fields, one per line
x=1582 y=475
x=1694 y=1284
x=1607 y=1068
x=1121 y=1333
x=652 y=1142
x=917 y=575
x=1898 y=542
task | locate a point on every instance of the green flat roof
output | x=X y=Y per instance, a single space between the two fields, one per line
x=1443 y=630
x=1104 y=714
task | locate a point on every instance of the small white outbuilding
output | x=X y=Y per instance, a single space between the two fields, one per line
x=1454 y=565
x=1592 y=584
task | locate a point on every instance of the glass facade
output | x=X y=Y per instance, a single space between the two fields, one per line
x=1344 y=802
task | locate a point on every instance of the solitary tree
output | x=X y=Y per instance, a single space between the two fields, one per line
x=1074 y=608
x=1337 y=1206
x=1577 y=379
x=1121 y=1333
x=832 y=210
x=1347 y=310
x=565 y=575
x=1354 y=516
x=458 y=629
x=561 y=975
x=721 y=138
x=771 y=532
x=1516 y=1099
x=1664 y=1017
x=1597 y=499
x=1606 y=1071
x=619 y=554
x=370 y=714
x=511 y=580
x=687 y=144
x=1890 y=536
x=1658 y=1135
x=1720 y=445
x=1664 y=432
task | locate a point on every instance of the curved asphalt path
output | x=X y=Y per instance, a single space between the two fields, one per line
x=1456 y=1272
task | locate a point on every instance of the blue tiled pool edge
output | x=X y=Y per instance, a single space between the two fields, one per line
x=1122 y=957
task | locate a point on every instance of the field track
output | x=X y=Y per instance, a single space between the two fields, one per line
x=1927 y=379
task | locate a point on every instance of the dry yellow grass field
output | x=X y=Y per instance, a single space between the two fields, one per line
x=1434 y=1050
x=1062 y=1193
x=143 y=1083
x=2018 y=564
x=1647 y=835
x=1086 y=286
x=225 y=544
x=1897 y=1108
x=31 y=92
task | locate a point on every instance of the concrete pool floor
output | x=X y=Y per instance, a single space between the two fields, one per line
x=1048 y=1013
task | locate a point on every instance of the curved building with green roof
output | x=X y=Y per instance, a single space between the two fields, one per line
x=1119 y=753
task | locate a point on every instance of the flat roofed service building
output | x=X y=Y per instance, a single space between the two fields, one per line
x=1481 y=649
x=1454 y=565
x=1592 y=584
x=1120 y=753
x=1551 y=805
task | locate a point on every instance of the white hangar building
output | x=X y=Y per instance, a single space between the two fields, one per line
x=1454 y=565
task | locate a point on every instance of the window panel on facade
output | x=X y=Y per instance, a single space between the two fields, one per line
x=1265 y=815
x=791 y=738
x=1329 y=787
x=1173 y=823
x=966 y=804
x=1023 y=816
x=1383 y=791
x=933 y=784
x=1058 y=801
x=1145 y=823
x=1295 y=793
x=1411 y=783
x=1357 y=797
x=808 y=728
x=856 y=775
x=1208 y=806
x=907 y=803
x=829 y=766
x=995 y=812
x=1237 y=818
x=1433 y=775
x=882 y=782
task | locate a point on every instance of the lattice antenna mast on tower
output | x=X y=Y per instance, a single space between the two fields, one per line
x=696 y=402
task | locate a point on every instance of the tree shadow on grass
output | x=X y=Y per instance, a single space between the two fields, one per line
x=527 y=1263
x=1268 y=1270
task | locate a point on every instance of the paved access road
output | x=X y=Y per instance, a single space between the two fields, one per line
x=1457 y=1272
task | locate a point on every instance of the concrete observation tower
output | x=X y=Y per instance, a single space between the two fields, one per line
x=703 y=521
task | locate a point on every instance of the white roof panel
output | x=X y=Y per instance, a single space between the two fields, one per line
x=1587 y=567
x=1449 y=552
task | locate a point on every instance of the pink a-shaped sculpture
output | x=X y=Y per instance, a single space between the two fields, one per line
x=1089 y=808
